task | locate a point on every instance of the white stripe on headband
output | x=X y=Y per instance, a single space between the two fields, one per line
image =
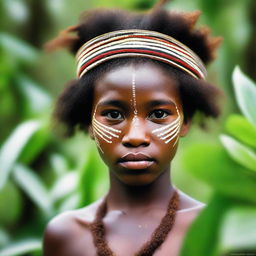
x=142 y=43
x=123 y=44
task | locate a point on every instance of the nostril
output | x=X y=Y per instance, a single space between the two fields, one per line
x=135 y=146
x=132 y=145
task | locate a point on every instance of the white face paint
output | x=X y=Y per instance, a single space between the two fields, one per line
x=170 y=131
x=103 y=131
x=133 y=100
x=166 y=133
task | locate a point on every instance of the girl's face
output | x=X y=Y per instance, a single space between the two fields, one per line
x=137 y=120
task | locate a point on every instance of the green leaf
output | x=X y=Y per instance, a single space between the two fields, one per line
x=16 y=10
x=33 y=187
x=240 y=153
x=64 y=185
x=238 y=230
x=202 y=236
x=90 y=176
x=22 y=247
x=37 y=100
x=17 y=49
x=70 y=203
x=4 y=237
x=59 y=164
x=10 y=204
x=212 y=164
x=245 y=91
x=13 y=147
x=36 y=144
x=241 y=129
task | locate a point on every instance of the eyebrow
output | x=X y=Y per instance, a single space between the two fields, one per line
x=121 y=104
x=117 y=103
x=156 y=103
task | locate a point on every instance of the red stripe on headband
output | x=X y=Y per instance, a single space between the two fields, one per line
x=133 y=36
x=153 y=53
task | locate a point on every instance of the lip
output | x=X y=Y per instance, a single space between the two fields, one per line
x=136 y=165
x=136 y=161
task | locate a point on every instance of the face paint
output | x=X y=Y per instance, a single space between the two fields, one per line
x=170 y=131
x=103 y=131
x=97 y=142
x=134 y=103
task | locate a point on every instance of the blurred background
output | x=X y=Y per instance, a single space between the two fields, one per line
x=42 y=173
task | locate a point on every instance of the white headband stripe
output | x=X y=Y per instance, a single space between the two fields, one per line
x=151 y=44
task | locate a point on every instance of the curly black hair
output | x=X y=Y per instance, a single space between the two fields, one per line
x=73 y=107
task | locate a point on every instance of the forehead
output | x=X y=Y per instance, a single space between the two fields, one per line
x=149 y=80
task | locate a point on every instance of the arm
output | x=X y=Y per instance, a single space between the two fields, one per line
x=65 y=235
x=58 y=236
x=54 y=241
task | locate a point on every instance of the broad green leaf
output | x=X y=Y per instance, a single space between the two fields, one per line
x=240 y=153
x=10 y=205
x=245 y=91
x=240 y=128
x=212 y=164
x=33 y=187
x=7 y=67
x=36 y=144
x=203 y=234
x=64 y=185
x=22 y=247
x=59 y=164
x=70 y=203
x=37 y=100
x=17 y=49
x=13 y=147
x=238 y=230
x=17 y=10
x=90 y=175
x=4 y=238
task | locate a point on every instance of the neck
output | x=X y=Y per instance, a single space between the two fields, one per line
x=132 y=198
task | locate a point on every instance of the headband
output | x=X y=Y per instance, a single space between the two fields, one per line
x=143 y=43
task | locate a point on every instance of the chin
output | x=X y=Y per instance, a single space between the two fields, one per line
x=137 y=180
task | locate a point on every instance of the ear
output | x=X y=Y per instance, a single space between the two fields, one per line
x=91 y=134
x=185 y=128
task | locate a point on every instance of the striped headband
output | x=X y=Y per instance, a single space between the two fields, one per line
x=143 y=43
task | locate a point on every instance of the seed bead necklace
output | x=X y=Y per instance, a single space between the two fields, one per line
x=157 y=238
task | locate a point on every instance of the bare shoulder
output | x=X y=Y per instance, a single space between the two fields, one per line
x=63 y=232
x=188 y=210
x=188 y=203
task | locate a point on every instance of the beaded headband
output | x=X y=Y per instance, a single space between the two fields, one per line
x=143 y=43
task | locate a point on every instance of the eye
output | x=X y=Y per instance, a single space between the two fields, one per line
x=158 y=114
x=113 y=115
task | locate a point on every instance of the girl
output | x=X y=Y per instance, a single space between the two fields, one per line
x=140 y=80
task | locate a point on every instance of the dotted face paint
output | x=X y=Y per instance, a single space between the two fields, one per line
x=170 y=131
x=133 y=100
x=103 y=131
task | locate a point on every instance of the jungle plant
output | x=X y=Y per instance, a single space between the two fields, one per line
x=228 y=223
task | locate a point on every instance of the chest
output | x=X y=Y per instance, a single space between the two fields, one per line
x=125 y=236
x=128 y=237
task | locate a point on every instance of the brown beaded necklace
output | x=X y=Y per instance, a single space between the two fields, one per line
x=157 y=237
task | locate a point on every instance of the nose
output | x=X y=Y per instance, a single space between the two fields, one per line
x=136 y=134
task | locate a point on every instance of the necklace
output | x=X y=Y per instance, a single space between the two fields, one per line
x=157 y=238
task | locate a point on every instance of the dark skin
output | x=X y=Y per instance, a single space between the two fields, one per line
x=138 y=197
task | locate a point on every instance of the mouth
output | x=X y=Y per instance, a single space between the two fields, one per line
x=136 y=161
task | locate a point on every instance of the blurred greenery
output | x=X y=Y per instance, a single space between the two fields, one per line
x=227 y=226
x=42 y=175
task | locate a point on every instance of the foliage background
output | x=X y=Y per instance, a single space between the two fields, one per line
x=42 y=174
